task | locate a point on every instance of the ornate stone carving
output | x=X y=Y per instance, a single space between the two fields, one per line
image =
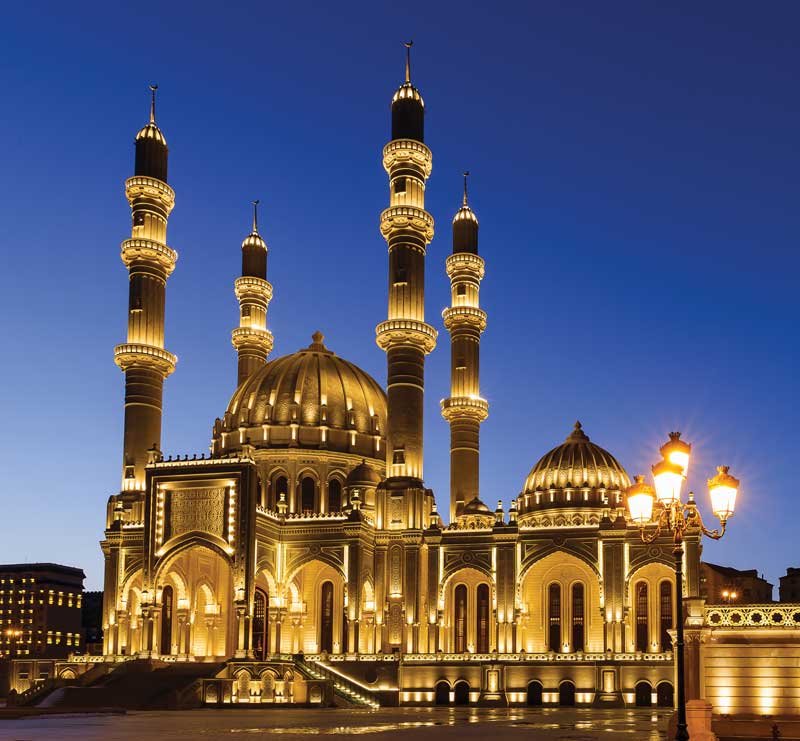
x=196 y=509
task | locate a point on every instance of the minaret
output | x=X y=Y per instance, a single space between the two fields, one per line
x=252 y=339
x=465 y=409
x=407 y=228
x=149 y=261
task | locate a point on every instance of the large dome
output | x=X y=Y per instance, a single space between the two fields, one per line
x=576 y=474
x=577 y=463
x=310 y=399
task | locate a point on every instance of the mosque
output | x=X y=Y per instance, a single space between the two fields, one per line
x=305 y=559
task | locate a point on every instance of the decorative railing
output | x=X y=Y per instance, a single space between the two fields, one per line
x=551 y=657
x=777 y=615
x=346 y=687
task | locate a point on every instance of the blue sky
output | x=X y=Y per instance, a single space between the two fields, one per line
x=634 y=170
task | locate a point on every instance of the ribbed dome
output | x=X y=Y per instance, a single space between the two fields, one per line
x=363 y=474
x=151 y=132
x=476 y=507
x=254 y=239
x=577 y=463
x=310 y=399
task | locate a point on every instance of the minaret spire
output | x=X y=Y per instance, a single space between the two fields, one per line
x=143 y=358
x=408 y=45
x=465 y=320
x=405 y=336
x=153 y=89
x=252 y=340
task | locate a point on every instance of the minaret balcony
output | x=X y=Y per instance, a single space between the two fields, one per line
x=250 y=287
x=398 y=218
x=464 y=265
x=141 y=186
x=256 y=338
x=407 y=153
x=137 y=251
x=404 y=333
x=133 y=355
x=465 y=407
x=464 y=316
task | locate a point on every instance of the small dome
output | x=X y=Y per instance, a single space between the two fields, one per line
x=465 y=213
x=363 y=474
x=310 y=399
x=151 y=132
x=254 y=239
x=408 y=92
x=577 y=463
x=476 y=507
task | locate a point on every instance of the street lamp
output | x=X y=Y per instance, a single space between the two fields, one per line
x=661 y=509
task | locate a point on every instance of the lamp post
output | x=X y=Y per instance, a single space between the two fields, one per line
x=661 y=509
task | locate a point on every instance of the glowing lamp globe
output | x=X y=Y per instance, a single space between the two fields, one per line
x=640 y=502
x=668 y=478
x=723 y=489
x=677 y=451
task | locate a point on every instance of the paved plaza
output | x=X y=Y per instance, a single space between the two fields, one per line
x=414 y=724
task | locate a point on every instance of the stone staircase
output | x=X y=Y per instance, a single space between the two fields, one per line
x=137 y=685
x=345 y=689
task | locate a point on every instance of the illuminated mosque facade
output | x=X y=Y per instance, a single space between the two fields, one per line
x=307 y=552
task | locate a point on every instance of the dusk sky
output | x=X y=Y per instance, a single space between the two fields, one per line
x=634 y=170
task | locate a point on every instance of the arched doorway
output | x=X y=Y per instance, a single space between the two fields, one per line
x=644 y=695
x=482 y=628
x=566 y=694
x=442 y=695
x=260 y=624
x=665 y=695
x=326 y=618
x=461 y=693
x=166 y=621
x=534 y=694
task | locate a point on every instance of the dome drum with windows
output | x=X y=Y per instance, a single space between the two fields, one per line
x=577 y=473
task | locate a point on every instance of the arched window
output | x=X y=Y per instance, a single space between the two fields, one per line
x=642 y=622
x=334 y=495
x=260 y=625
x=281 y=487
x=166 y=620
x=461 y=693
x=326 y=618
x=554 y=617
x=307 y=491
x=460 y=616
x=482 y=628
x=578 y=617
x=442 y=693
x=665 y=612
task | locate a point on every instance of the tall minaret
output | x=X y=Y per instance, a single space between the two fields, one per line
x=465 y=409
x=407 y=228
x=149 y=261
x=252 y=339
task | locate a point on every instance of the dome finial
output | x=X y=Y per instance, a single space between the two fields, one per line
x=408 y=45
x=255 y=215
x=577 y=434
x=153 y=89
x=466 y=175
